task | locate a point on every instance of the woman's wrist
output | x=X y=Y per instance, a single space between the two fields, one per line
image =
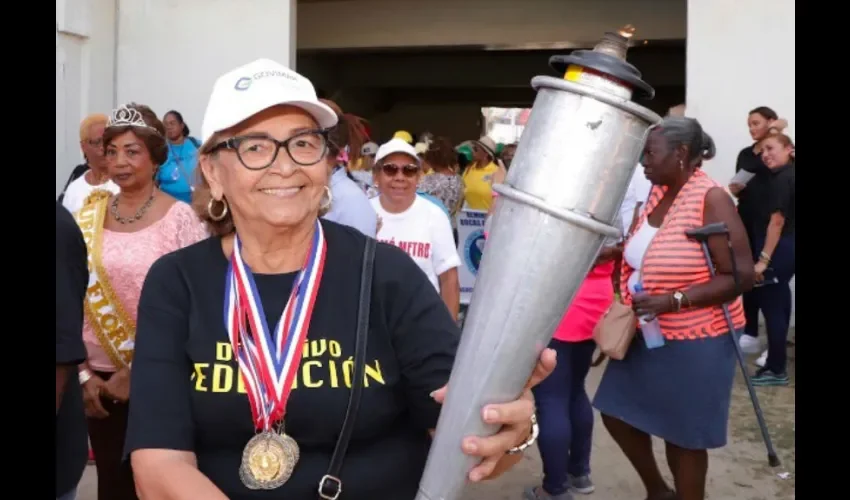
x=533 y=432
x=679 y=300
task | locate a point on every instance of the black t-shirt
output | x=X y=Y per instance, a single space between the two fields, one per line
x=754 y=195
x=782 y=198
x=72 y=277
x=186 y=393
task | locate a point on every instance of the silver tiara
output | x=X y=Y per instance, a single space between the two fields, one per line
x=125 y=116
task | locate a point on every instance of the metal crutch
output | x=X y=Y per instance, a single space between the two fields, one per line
x=701 y=235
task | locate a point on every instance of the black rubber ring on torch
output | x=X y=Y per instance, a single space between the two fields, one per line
x=607 y=64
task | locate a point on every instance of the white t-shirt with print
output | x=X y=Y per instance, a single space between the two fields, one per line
x=80 y=189
x=424 y=232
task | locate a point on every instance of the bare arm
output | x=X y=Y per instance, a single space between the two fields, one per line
x=608 y=253
x=450 y=291
x=500 y=174
x=774 y=232
x=498 y=178
x=171 y=475
x=721 y=289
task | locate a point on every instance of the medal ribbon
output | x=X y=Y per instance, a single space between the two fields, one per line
x=269 y=359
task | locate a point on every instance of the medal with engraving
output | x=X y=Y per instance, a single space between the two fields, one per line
x=269 y=359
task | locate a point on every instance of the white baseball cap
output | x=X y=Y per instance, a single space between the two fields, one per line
x=396 y=146
x=369 y=149
x=245 y=91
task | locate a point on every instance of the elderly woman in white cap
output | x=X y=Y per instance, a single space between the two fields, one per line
x=246 y=342
x=481 y=174
x=414 y=224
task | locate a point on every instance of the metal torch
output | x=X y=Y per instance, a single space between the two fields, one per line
x=556 y=208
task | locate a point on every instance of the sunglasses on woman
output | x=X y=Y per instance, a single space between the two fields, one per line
x=408 y=170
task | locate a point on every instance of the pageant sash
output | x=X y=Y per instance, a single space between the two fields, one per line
x=113 y=327
x=269 y=359
x=96 y=195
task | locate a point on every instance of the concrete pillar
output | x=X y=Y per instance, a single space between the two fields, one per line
x=85 y=76
x=740 y=55
x=171 y=51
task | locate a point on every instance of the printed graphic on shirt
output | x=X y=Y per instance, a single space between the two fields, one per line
x=323 y=364
x=416 y=249
x=422 y=231
x=410 y=351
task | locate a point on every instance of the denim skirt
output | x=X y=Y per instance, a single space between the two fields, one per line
x=679 y=392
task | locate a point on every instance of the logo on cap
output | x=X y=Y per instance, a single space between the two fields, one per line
x=245 y=82
x=242 y=83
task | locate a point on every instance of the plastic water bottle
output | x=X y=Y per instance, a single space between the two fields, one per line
x=649 y=327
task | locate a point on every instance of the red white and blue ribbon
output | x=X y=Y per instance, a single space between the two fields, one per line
x=269 y=359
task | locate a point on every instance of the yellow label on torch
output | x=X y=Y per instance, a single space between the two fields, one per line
x=573 y=73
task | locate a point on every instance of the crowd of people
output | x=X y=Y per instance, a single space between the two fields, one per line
x=257 y=243
x=210 y=279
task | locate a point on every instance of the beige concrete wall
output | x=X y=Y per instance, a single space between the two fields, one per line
x=741 y=55
x=384 y=23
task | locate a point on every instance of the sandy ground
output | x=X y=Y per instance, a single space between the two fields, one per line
x=737 y=472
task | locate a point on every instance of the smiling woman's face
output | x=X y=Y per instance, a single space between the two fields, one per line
x=776 y=152
x=285 y=194
x=396 y=177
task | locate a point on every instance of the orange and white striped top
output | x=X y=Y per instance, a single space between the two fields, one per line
x=675 y=262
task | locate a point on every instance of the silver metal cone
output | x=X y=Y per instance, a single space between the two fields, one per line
x=564 y=189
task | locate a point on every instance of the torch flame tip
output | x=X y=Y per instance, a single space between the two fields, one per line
x=627 y=31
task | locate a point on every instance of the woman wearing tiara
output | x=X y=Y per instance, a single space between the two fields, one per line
x=125 y=234
x=246 y=347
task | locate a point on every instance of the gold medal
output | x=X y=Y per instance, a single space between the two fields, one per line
x=268 y=461
x=271 y=456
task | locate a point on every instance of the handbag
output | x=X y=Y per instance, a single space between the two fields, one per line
x=615 y=331
x=330 y=486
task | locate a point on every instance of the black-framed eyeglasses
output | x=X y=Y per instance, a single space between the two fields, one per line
x=257 y=152
x=409 y=170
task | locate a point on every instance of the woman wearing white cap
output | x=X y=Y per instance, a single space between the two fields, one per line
x=414 y=224
x=267 y=308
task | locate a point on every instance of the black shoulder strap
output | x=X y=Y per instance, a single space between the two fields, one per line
x=330 y=486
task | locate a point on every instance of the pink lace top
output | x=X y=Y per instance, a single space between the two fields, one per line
x=127 y=257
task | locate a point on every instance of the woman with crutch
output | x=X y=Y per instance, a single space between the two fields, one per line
x=677 y=386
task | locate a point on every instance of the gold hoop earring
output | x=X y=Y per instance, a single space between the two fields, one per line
x=224 y=210
x=326 y=206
